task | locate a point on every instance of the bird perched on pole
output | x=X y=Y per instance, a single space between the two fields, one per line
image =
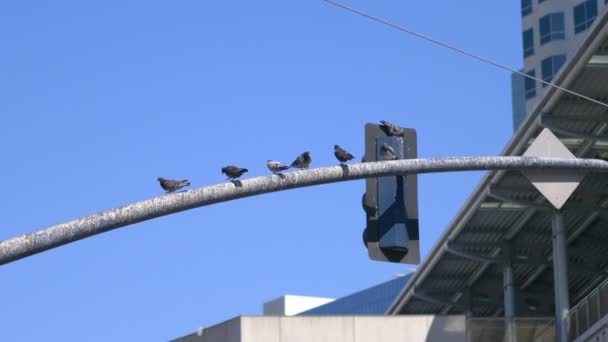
x=276 y=167
x=342 y=155
x=170 y=185
x=387 y=152
x=391 y=129
x=303 y=161
x=233 y=172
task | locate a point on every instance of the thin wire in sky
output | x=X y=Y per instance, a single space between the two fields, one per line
x=400 y=28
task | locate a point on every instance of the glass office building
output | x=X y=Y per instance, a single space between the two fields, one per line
x=552 y=31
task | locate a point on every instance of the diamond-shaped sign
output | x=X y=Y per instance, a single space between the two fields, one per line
x=555 y=185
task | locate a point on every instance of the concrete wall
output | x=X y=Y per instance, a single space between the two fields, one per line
x=410 y=328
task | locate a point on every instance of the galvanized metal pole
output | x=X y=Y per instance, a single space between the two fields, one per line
x=64 y=233
x=560 y=277
x=509 y=296
x=468 y=313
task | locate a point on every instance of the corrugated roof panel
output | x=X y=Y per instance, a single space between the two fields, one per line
x=498 y=220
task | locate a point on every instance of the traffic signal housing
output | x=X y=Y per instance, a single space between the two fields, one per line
x=391 y=202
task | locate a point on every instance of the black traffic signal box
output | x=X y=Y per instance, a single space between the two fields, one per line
x=391 y=202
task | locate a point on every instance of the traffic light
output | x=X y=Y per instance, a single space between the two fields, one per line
x=391 y=203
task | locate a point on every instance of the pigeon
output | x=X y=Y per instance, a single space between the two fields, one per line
x=391 y=129
x=342 y=155
x=303 y=161
x=233 y=172
x=387 y=152
x=275 y=167
x=171 y=185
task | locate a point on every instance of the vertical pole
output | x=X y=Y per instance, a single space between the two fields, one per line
x=560 y=278
x=509 y=296
x=468 y=314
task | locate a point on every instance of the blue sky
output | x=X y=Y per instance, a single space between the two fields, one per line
x=100 y=98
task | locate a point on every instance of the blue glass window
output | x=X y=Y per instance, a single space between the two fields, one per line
x=526 y=7
x=584 y=15
x=530 y=85
x=528 y=40
x=551 y=27
x=550 y=66
x=539 y=1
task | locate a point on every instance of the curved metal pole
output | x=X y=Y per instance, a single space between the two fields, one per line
x=25 y=245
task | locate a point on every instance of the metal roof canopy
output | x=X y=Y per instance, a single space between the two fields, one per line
x=463 y=272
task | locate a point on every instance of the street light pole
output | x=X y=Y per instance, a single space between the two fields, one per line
x=39 y=241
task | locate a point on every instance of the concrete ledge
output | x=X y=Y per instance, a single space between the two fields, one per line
x=410 y=328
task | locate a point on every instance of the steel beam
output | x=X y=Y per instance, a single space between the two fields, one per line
x=545 y=121
x=501 y=196
x=509 y=295
x=423 y=295
x=573 y=236
x=560 y=276
x=456 y=250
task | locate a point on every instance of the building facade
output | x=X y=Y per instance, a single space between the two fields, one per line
x=356 y=317
x=552 y=31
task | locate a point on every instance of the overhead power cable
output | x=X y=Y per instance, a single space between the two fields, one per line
x=453 y=48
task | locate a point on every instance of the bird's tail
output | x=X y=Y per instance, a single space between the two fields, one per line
x=185 y=182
